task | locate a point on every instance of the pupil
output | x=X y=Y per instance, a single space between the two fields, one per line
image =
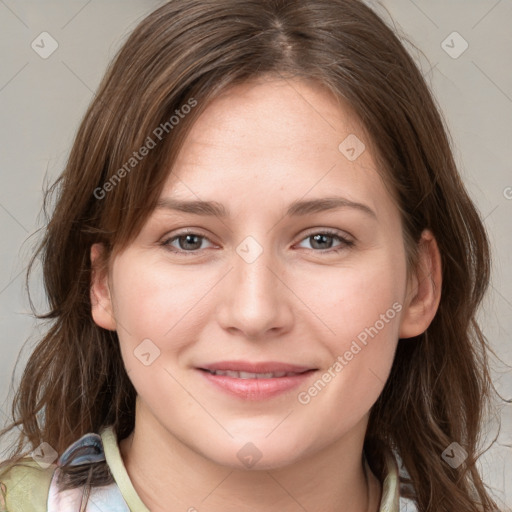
x=320 y=238
x=187 y=240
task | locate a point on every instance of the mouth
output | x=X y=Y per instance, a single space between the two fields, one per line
x=255 y=381
x=249 y=375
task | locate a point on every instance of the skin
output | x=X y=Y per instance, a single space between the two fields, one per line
x=255 y=149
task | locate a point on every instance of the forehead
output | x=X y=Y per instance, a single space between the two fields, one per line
x=274 y=114
x=270 y=138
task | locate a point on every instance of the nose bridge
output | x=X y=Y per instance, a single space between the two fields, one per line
x=254 y=280
x=254 y=302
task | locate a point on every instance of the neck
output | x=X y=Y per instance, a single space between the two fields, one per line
x=165 y=471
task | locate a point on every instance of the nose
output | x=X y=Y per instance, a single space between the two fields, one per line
x=257 y=301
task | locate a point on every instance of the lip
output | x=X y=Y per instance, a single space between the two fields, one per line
x=256 y=389
x=252 y=367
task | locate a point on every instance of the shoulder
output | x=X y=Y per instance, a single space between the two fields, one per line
x=24 y=486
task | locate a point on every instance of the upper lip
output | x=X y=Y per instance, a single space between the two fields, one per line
x=251 y=367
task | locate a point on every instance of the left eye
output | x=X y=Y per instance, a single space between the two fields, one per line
x=189 y=242
x=321 y=237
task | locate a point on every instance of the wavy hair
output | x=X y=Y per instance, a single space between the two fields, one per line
x=186 y=53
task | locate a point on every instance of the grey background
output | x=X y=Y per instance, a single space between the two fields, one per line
x=43 y=100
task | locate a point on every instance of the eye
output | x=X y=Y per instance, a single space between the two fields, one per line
x=322 y=238
x=187 y=241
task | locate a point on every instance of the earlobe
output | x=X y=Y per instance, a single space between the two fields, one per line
x=101 y=300
x=424 y=289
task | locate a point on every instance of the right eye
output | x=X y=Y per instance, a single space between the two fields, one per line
x=189 y=242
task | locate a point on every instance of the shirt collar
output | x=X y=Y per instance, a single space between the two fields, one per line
x=390 y=499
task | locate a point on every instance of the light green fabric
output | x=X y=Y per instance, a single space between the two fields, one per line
x=118 y=470
x=25 y=487
x=391 y=485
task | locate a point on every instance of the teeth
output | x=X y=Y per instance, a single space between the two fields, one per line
x=248 y=375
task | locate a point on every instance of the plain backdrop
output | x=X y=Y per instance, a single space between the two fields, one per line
x=464 y=48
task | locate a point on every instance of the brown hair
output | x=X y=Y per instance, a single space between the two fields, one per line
x=186 y=53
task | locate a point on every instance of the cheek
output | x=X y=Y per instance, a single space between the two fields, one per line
x=361 y=307
x=366 y=341
x=151 y=299
x=357 y=298
x=155 y=311
x=152 y=303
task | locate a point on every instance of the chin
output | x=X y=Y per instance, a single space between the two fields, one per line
x=255 y=453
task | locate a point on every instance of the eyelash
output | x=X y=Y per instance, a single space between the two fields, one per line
x=330 y=233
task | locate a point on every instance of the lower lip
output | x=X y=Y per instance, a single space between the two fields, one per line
x=256 y=389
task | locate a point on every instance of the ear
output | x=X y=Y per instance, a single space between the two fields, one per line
x=101 y=301
x=423 y=290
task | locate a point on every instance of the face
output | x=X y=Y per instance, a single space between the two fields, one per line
x=306 y=301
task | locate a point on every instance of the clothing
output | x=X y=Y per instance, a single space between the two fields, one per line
x=32 y=488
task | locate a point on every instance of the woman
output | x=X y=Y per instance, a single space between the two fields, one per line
x=251 y=371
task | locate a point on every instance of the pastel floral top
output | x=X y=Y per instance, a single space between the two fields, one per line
x=31 y=486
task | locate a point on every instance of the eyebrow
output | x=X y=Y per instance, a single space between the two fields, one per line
x=297 y=208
